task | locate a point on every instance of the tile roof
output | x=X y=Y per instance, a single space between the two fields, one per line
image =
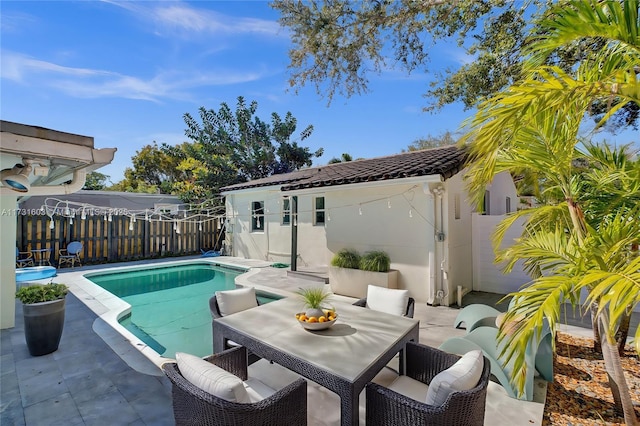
x=445 y=161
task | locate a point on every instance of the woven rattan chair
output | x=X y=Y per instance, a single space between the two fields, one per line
x=386 y=407
x=215 y=313
x=193 y=407
x=23 y=258
x=70 y=255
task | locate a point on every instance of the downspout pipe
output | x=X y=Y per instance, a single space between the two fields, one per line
x=77 y=182
x=438 y=238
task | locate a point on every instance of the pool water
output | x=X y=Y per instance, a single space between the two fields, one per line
x=170 y=305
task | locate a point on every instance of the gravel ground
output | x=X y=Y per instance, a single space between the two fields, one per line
x=580 y=393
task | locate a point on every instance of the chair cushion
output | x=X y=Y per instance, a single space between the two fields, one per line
x=232 y=301
x=409 y=387
x=211 y=378
x=389 y=300
x=463 y=375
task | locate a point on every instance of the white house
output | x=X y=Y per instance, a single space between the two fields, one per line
x=36 y=161
x=412 y=205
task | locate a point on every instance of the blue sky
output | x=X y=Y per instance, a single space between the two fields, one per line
x=126 y=72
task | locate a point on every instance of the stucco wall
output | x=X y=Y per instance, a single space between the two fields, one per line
x=396 y=218
x=8 y=223
x=459 y=244
x=488 y=276
x=274 y=243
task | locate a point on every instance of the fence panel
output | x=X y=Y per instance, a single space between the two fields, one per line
x=118 y=238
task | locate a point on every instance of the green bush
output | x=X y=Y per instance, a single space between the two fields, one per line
x=346 y=258
x=375 y=261
x=37 y=293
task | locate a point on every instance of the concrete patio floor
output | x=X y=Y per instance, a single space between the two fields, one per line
x=97 y=377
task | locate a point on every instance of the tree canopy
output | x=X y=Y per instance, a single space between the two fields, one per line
x=225 y=147
x=337 y=44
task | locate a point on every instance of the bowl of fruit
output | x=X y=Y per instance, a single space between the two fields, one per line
x=321 y=322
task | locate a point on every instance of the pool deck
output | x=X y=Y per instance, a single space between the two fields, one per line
x=103 y=375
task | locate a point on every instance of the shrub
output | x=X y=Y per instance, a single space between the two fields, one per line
x=37 y=293
x=346 y=258
x=375 y=261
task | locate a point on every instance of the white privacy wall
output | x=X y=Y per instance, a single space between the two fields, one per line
x=488 y=276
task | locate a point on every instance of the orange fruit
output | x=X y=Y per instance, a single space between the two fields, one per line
x=322 y=319
x=331 y=318
x=302 y=317
x=312 y=319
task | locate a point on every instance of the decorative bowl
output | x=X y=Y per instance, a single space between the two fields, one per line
x=314 y=326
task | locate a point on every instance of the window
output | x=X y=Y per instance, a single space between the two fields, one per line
x=257 y=216
x=508 y=210
x=286 y=211
x=487 y=202
x=456 y=206
x=318 y=211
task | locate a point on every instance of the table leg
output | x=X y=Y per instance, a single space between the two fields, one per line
x=218 y=339
x=349 y=409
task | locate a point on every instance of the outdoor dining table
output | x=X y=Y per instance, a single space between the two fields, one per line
x=41 y=256
x=343 y=358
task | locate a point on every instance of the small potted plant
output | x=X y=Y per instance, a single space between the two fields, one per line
x=43 y=307
x=314 y=299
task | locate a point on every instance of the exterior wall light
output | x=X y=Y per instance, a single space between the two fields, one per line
x=17 y=178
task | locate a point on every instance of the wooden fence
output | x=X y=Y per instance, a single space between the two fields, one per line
x=117 y=239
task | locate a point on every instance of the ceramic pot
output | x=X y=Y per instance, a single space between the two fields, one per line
x=43 y=324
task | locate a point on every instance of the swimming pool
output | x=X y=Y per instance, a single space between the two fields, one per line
x=170 y=304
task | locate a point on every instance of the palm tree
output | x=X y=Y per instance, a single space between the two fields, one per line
x=569 y=244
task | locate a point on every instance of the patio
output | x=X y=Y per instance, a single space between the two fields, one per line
x=97 y=377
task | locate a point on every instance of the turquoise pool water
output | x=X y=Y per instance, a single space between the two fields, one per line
x=170 y=305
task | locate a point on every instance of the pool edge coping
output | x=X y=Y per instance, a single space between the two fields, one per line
x=109 y=308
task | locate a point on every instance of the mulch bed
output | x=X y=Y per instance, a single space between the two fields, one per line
x=580 y=393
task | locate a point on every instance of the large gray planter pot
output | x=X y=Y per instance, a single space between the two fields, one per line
x=43 y=324
x=354 y=282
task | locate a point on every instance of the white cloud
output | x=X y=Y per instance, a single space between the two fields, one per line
x=177 y=18
x=89 y=83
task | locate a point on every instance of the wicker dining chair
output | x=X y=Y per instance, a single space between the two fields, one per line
x=383 y=294
x=214 y=307
x=193 y=406
x=386 y=407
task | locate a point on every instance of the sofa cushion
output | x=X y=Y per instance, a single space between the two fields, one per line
x=236 y=300
x=211 y=378
x=463 y=375
x=389 y=300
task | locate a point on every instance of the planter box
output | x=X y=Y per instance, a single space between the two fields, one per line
x=354 y=282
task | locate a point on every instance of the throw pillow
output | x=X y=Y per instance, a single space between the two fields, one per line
x=232 y=301
x=389 y=300
x=463 y=375
x=211 y=378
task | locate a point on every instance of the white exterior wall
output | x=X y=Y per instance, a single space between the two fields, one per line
x=404 y=230
x=9 y=223
x=459 y=244
x=274 y=243
x=501 y=188
x=399 y=217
